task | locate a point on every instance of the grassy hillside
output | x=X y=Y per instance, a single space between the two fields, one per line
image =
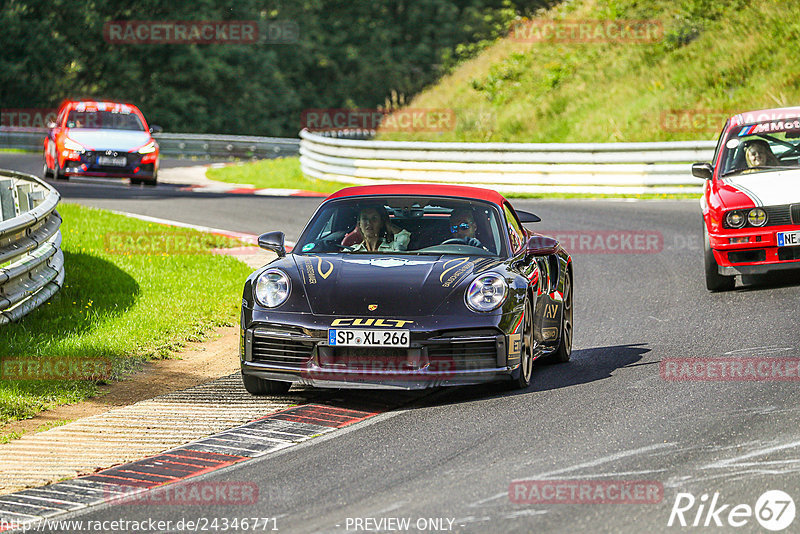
x=715 y=56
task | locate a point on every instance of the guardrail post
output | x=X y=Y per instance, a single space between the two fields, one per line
x=23 y=197
x=8 y=207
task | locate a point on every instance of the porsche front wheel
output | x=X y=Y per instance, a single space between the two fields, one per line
x=526 y=354
x=259 y=386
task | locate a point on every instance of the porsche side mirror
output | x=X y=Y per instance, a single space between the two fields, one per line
x=154 y=129
x=702 y=170
x=273 y=241
x=540 y=245
x=527 y=217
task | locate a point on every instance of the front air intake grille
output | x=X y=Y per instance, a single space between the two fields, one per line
x=279 y=349
x=465 y=355
x=795 y=213
x=747 y=256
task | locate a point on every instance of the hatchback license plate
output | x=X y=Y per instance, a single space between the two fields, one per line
x=788 y=239
x=112 y=162
x=349 y=337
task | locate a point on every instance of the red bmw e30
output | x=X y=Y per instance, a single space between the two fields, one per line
x=751 y=199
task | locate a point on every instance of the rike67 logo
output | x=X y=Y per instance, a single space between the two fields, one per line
x=774 y=510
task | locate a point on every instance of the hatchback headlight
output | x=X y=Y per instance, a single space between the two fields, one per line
x=69 y=144
x=735 y=219
x=272 y=288
x=487 y=292
x=149 y=148
x=757 y=217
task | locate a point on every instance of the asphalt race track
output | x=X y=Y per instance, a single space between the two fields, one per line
x=608 y=414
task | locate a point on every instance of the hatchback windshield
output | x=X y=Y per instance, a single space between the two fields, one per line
x=104 y=120
x=766 y=146
x=405 y=225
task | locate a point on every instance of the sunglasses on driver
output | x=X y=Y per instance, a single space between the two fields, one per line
x=463 y=226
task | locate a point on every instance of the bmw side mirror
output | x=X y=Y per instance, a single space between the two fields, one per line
x=702 y=170
x=272 y=241
x=154 y=129
x=540 y=245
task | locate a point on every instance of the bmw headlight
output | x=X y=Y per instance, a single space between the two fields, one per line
x=69 y=144
x=757 y=217
x=272 y=288
x=149 y=148
x=735 y=219
x=487 y=292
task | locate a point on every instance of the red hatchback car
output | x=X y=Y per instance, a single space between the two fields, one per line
x=751 y=200
x=101 y=139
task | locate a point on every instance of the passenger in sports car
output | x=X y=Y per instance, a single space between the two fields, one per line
x=757 y=153
x=463 y=227
x=380 y=234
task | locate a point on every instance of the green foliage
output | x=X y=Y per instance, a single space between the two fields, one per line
x=120 y=304
x=348 y=54
x=717 y=57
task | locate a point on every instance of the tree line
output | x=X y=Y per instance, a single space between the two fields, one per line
x=308 y=54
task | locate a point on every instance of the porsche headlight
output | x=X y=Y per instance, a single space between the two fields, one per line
x=487 y=292
x=272 y=288
x=735 y=219
x=149 y=148
x=757 y=217
x=69 y=144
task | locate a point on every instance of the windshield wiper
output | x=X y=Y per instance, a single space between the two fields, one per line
x=756 y=168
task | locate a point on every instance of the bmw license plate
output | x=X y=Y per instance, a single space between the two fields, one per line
x=788 y=239
x=112 y=162
x=350 y=337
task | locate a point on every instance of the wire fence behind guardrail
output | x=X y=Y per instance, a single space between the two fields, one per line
x=633 y=168
x=31 y=260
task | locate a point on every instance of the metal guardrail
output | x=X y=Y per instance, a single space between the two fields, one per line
x=590 y=167
x=204 y=146
x=31 y=260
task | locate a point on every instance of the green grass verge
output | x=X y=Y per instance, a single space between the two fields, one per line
x=280 y=173
x=285 y=173
x=133 y=291
x=717 y=57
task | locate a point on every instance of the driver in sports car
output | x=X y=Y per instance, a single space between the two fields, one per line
x=379 y=233
x=463 y=227
x=758 y=154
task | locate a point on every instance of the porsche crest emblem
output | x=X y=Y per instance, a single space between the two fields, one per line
x=372 y=307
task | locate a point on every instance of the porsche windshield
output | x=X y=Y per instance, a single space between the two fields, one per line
x=762 y=147
x=405 y=225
